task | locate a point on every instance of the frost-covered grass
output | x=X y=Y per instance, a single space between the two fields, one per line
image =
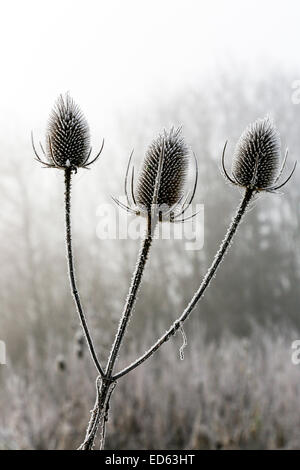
x=232 y=393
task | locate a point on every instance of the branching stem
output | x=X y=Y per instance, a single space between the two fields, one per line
x=198 y=294
x=108 y=380
x=99 y=415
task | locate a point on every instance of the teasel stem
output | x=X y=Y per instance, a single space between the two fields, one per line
x=133 y=290
x=199 y=293
x=75 y=293
x=94 y=421
x=99 y=414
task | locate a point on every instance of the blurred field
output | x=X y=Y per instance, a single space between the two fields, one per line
x=229 y=394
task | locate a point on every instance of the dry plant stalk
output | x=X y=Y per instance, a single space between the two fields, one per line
x=158 y=197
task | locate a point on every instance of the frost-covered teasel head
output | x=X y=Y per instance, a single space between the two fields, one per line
x=67 y=137
x=171 y=148
x=256 y=161
x=162 y=179
x=68 y=140
x=257 y=155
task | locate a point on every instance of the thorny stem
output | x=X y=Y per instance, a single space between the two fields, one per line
x=130 y=301
x=92 y=426
x=99 y=415
x=68 y=176
x=197 y=296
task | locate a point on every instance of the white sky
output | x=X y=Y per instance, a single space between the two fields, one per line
x=120 y=55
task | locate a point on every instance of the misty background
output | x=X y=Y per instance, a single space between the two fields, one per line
x=134 y=68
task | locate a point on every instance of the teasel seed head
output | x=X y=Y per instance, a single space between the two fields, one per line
x=173 y=173
x=68 y=134
x=162 y=179
x=257 y=155
x=256 y=161
x=67 y=137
